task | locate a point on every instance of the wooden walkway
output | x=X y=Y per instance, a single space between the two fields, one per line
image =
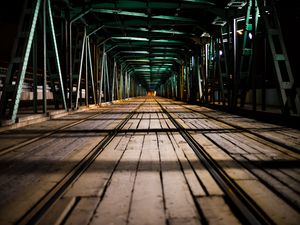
x=147 y=173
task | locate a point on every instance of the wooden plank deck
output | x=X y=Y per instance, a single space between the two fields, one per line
x=148 y=176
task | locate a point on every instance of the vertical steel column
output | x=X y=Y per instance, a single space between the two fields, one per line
x=57 y=56
x=121 y=83
x=198 y=71
x=45 y=57
x=34 y=60
x=70 y=66
x=187 y=75
x=263 y=79
x=67 y=51
x=235 y=76
x=221 y=84
x=117 y=84
x=128 y=88
x=206 y=72
x=253 y=66
x=125 y=86
x=70 y=53
x=99 y=59
x=80 y=69
x=86 y=74
x=107 y=80
x=96 y=71
x=102 y=74
x=91 y=69
x=113 y=81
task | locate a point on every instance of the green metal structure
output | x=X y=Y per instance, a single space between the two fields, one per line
x=192 y=50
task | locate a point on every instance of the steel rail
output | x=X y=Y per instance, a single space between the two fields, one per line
x=281 y=144
x=245 y=130
x=36 y=213
x=47 y=134
x=249 y=210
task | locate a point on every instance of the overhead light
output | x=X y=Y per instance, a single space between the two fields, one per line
x=236 y=4
x=120 y=12
x=250 y=35
x=136 y=52
x=137 y=60
x=131 y=38
x=167 y=31
x=219 y=21
x=166 y=41
x=240 y=32
x=204 y=34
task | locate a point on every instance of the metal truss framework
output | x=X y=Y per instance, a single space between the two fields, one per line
x=189 y=50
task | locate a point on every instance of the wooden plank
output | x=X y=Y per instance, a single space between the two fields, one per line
x=163 y=124
x=270 y=180
x=170 y=124
x=182 y=123
x=225 y=144
x=123 y=142
x=128 y=124
x=269 y=148
x=191 y=124
x=154 y=115
x=134 y=124
x=264 y=198
x=144 y=124
x=147 y=201
x=57 y=212
x=94 y=180
x=179 y=202
x=265 y=129
x=204 y=176
x=114 y=207
x=135 y=142
x=150 y=142
x=83 y=211
x=216 y=211
x=154 y=124
x=229 y=165
x=275 y=169
x=248 y=144
x=146 y=116
x=15 y=202
x=189 y=173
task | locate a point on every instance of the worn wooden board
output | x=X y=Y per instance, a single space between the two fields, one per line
x=267 y=200
x=58 y=212
x=188 y=170
x=208 y=183
x=216 y=211
x=230 y=166
x=83 y=211
x=147 y=201
x=179 y=202
x=114 y=207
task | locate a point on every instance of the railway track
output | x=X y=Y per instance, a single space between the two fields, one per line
x=45 y=135
x=281 y=143
x=38 y=210
x=242 y=202
x=245 y=208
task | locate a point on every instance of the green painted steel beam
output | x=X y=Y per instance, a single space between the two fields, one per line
x=130 y=38
x=187 y=4
x=152 y=23
x=144 y=15
x=28 y=45
x=143 y=30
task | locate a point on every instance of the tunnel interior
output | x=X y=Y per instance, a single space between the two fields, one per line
x=236 y=54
